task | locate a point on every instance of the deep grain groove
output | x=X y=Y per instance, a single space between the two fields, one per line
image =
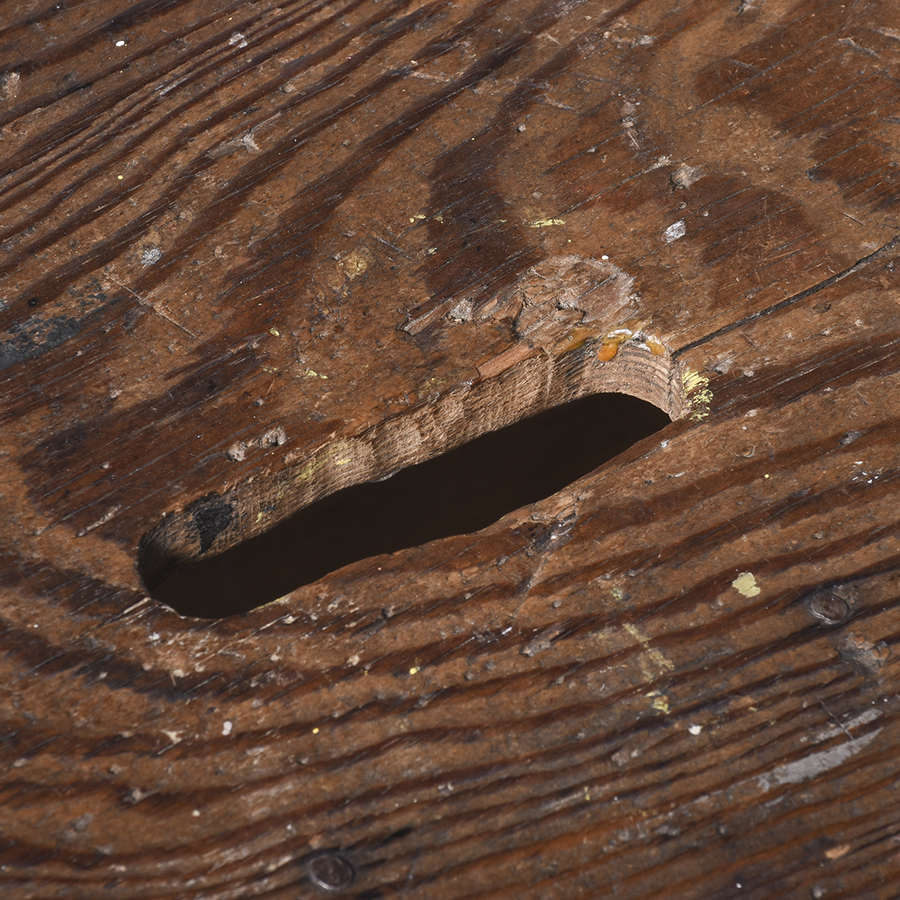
x=882 y=251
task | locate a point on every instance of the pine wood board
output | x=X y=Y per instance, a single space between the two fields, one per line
x=252 y=253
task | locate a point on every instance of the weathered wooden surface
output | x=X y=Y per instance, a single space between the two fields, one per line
x=251 y=252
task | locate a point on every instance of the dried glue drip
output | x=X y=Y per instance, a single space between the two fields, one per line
x=607 y=351
x=635 y=337
x=574 y=340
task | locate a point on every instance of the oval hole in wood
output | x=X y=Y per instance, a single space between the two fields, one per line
x=461 y=491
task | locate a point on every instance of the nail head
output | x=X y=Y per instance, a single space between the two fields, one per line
x=826 y=606
x=331 y=872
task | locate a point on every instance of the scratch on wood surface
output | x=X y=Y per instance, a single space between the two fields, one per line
x=157 y=307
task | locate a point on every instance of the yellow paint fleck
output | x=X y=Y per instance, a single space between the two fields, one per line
x=838 y=852
x=659 y=702
x=315 y=730
x=341 y=462
x=658 y=658
x=546 y=223
x=275 y=331
x=746 y=584
x=692 y=381
x=414 y=670
x=120 y=177
x=309 y=373
x=354 y=264
x=698 y=394
x=321 y=459
x=416 y=218
x=281 y=599
x=646 y=669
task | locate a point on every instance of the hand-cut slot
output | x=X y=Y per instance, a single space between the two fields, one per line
x=461 y=491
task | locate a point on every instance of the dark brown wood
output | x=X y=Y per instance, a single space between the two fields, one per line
x=252 y=253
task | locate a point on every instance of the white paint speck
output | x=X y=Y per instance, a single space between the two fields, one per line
x=695 y=729
x=814 y=764
x=150 y=256
x=120 y=43
x=9 y=85
x=227 y=725
x=674 y=231
x=834 y=730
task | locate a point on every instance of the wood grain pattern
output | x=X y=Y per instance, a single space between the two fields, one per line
x=237 y=238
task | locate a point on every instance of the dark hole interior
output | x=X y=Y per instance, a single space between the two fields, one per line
x=459 y=492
